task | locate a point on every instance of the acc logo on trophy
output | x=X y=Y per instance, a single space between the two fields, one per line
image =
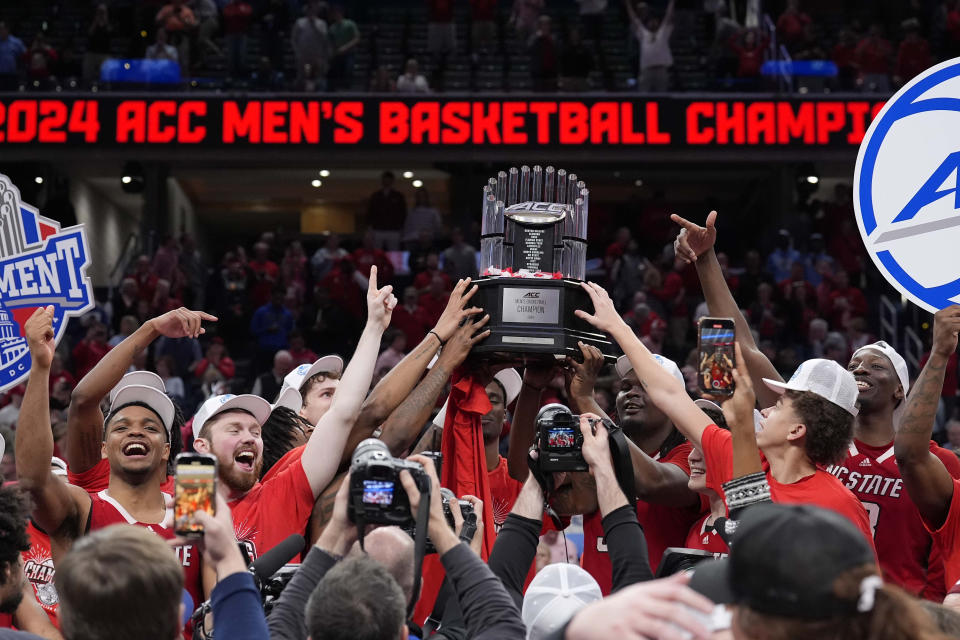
x=40 y=265
x=907 y=191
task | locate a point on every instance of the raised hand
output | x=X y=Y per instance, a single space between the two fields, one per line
x=458 y=346
x=582 y=376
x=38 y=330
x=694 y=240
x=596 y=445
x=946 y=325
x=456 y=309
x=605 y=316
x=380 y=302
x=181 y=323
x=738 y=410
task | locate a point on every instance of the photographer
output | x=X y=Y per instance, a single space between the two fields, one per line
x=347 y=604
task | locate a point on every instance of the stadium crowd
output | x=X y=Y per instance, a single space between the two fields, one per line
x=835 y=511
x=409 y=47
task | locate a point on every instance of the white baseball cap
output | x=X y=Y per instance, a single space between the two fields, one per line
x=899 y=364
x=301 y=374
x=143 y=378
x=556 y=593
x=289 y=398
x=154 y=398
x=57 y=466
x=511 y=381
x=256 y=405
x=826 y=379
x=624 y=367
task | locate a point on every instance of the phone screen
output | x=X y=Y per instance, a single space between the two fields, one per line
x=717 y=359
x=195 y=488
x=377 y=492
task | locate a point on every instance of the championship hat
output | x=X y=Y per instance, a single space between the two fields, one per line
x=824 y=378
x=143 y=378
x=256 y=405
x=784 y=560
x=556 y=593
x=290 y=396
x=154 y=398
x=899 y=364
x=511 y=381
x=624 y=367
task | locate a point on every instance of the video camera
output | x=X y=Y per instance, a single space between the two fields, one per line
x=559 y=439
x=376 y=494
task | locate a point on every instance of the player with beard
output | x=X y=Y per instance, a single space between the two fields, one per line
x=86 y=466
x=230 y=428
x=666 y=507
x=136 y=443
x=907 y=554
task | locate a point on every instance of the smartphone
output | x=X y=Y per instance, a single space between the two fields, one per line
x=195 y=487
x=716 y=355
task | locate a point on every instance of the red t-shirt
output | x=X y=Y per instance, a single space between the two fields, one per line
x=702 y=536
x=38 y=569
x=948 y=537
x=503 y=492
x=276 y=507
x=663 y=527
x=97 y=478
x=105 y=511
x=819 y=488
x=414 y=324
x=903 y=544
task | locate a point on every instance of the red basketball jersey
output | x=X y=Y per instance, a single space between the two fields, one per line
x=702 y=536
x=38 y=569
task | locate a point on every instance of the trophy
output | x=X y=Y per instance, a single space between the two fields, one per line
x=533 y=251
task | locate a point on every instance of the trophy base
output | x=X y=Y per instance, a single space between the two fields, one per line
x=533 y=320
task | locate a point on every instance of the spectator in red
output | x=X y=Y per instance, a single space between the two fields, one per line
x=653 y=340
x=294 y=269
x=845 y=301
x=483 y=30
x=299 y=351
x=163 y=300
x=40 y=58
x=796 y=290
x=617 y=248
x=641 y=317
x=844 y=55
x=792 y=26
x=179 y=21
x=749 y=47
x=411 y=318
x=672 y=294
x=215 y=365
x=344 y=290
x=237 y=16
x=91 y=349
x=390 y=357
x=146 y=279
x=265 y=273
x=166 y=258
x=367 y=255
x=435 y=299
x=913 y=57
x=58 y=373
x=386 y=213
x=874 y=53
x=432 y=269
x=544 y=56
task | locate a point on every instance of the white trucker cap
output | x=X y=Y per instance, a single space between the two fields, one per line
x=150 y=396
x=899 y=364
x=826 y=379
x=624 y=367
x=511 y=381
x=290 y=396
x=256 y=405
x=143 y=378
x=554 y=595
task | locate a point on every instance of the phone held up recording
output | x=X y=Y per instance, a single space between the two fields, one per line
x=195 y=487
x=716 y=356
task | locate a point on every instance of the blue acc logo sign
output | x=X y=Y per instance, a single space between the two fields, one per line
x=40 y=265
x=907 y=194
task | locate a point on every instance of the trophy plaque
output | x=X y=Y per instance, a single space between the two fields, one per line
x=533 y=251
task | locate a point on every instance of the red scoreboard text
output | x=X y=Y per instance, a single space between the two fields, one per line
x=119 y=121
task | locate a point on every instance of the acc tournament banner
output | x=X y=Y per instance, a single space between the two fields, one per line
x=40 y=264
x=907 y=191
x=219 y=121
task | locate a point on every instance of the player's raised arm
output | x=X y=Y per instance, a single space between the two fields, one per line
x=326 y=445
x=928 y=482
x=400 y=381
x=738 y=412
x=84 y=418
x=696 y=244
x=57 y=506
x=664 y=390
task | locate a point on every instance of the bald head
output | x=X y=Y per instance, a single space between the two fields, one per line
x=282 y=362
x=393 y=549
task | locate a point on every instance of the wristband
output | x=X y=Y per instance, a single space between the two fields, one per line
x=442 y=341
x=747 y=490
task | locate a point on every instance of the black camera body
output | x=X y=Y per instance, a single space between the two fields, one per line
x=559 y=440
x=376 y=494
x=466 y=510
